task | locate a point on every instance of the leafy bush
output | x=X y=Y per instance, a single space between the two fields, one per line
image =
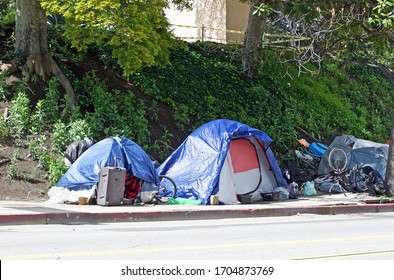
x=79 y=129
x=38 y=118
x=56 y=170
x=37 y=147
x=13 y=171
x=38 y=150
x=64 y=134
x=18 y=121
x=114 y=113
x=60 y=137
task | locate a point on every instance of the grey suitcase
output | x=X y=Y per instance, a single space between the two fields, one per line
x=111 y=185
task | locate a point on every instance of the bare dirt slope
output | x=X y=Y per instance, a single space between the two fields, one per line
x=20 y=179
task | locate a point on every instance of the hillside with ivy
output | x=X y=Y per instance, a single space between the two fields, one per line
x=206 y=81
x=203 y=82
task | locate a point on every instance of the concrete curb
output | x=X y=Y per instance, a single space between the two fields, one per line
x=71 y=217
x=23 y=219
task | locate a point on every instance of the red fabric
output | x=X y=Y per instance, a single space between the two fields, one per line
x=243 y=155
x=132 y=186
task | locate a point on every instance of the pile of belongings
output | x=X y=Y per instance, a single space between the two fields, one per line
x=364 y=169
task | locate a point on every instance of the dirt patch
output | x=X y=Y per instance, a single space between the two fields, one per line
x=20 y=176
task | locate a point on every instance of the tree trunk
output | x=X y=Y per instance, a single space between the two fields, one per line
x=390 y=162
x=253 y=40
x=31 y=45
x=389 y=73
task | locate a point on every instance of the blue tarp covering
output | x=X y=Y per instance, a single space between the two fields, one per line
x=83 y=174
x=195 y=166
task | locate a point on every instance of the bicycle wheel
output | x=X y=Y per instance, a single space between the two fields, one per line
x=168 y=186
x=357 y=180
x=338 y=160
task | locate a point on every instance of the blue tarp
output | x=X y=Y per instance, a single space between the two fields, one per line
x=196 y=164
x=83 y=173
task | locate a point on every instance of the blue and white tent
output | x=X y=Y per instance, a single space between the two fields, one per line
x=225 y=158
x=83 y=174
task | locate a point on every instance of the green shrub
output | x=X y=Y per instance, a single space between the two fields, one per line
x=39 y=118
x=56 y=170
x=64 y=134
x=79 y=129
x=181 y=116
x=37 y=148
x=18 y=121
x=114 y=113
x=60 y=137
x=13 y=171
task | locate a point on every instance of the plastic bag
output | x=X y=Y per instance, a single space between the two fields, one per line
x=309 y=188
x=280 y=193
x=184 y=201
x=60 y=195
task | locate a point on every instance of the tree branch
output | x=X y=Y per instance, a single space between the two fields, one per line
x=385 y=70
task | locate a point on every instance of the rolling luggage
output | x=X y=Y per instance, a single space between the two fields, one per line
x=111 y=185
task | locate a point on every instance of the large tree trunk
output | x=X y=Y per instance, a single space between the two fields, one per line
x=253 y=40
x=390 y=162
x=31 y=45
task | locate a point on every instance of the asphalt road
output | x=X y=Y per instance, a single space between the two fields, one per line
x=301 y=237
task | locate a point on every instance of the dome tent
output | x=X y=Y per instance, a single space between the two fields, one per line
x=226 y=158
x=83 y=173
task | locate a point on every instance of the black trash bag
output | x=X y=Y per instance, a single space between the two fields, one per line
x=374 y=181
x=76 y=149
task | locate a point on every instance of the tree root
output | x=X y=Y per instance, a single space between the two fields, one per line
x=45 y=66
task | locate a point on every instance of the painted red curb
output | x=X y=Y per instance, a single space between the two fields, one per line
x=198 y=213
x=214 y=213
x=23 y=219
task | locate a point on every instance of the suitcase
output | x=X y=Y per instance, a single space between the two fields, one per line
x=111 y=185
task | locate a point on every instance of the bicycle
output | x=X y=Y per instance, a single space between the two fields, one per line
x=164 y=194
x=337 y=179
x=345 y=179
x=164 y=184
x=338 y=160
x=354 y=179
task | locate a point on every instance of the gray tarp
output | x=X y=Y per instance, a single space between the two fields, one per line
x=360 y=153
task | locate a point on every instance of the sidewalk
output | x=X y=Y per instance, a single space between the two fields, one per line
x=25 y=212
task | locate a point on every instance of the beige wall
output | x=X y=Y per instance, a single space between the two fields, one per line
x=212 y=14
x=236 y=19
x=216 y=16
